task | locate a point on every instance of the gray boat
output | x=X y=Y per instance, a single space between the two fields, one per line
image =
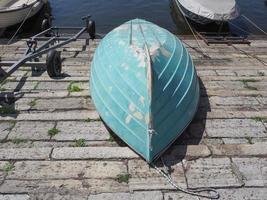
x=207 y=11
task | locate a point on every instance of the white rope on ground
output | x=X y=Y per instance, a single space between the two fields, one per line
x=191 y=29
x=194 y=192
x=244 y=52
x=255 y=25
x=250 y=55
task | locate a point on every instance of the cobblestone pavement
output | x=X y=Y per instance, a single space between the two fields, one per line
x=54 y=146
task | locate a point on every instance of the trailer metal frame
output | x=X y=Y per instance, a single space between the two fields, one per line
x=52 y=40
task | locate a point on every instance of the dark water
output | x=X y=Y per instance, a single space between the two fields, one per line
x=111 y=13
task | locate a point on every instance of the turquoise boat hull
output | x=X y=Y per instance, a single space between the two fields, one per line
x=144 y=86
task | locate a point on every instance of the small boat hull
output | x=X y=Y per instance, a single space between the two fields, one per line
x=144 y=86
x=205 y=12
x=194 y=17
x=10 y=17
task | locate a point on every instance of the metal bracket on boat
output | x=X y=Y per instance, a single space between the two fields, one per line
x=151 y=132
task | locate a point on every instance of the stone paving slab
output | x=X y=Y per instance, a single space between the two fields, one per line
x=52 y=86
x=58 y=196
x=211 y=172
x=151 y=195
x=224 y=147
x=257 y=150
x=85 y=186
x=5 y=129
x=73 y=143
x=153 y=183
x=45 y=170
x=253 y=170
x=47 y=94
x=25 y=154
x=53 y=116
x=179 y=195
x=31 y=130
x=244 y=194
x=141 y=174
x=234 y=101
x=23 y=85
x=60 y=104
x=14 y=197
x=3 y=170
x=236 y=140
x=235 y=128
x=234 y=93
x=23 y=104
x=72 y=153
x=72 y=130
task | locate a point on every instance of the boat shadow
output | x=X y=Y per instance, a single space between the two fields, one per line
x=113 y=137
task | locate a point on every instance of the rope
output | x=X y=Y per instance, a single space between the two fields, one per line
x=22 y=23
x=193 y=192
x=241 y=29
x=191 y=29
x=255 y=25
x=250 y=55
x=246 y=53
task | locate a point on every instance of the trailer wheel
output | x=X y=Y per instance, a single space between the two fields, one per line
x=45 y=24
x=53 y=62
x=91 y=29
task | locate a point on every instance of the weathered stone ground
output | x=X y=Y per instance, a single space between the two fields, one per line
x=54 y=146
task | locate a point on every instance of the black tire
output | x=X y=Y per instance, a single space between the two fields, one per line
x=45 y=24
x=53 y=62
x=91 y=29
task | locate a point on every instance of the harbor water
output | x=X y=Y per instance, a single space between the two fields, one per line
x=110 y=14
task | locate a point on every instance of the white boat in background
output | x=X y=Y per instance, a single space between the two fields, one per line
x=207 y=11
x=15 y=11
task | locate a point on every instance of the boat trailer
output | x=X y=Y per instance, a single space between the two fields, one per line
x=52 y=39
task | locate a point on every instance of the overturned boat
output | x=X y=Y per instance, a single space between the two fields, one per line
x=15 y=11
x=144 y=86
x=207 y=11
